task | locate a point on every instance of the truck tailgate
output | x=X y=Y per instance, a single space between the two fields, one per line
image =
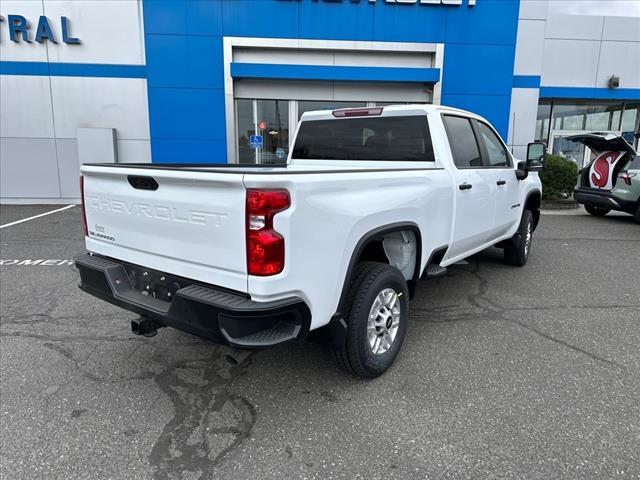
x=191 y=225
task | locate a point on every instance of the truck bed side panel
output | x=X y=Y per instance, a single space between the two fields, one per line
x=331 y=212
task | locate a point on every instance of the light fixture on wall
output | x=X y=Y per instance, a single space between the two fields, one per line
x=614 y=81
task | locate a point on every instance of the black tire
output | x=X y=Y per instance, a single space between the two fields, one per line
x=518 y=249
x=356 y=355
x=636 y=217
x=595 y=210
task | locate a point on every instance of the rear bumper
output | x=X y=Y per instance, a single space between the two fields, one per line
x=604 y=199
x=203 y=310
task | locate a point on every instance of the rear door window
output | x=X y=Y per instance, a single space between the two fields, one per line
x=365 y=138
x=497 y=155
x=464 y=145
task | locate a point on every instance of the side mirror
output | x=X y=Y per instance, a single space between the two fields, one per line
x=521 y=172
x=536 y=154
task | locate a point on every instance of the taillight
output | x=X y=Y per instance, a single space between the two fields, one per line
x=627 y=177
x=265 y=246
x=84 y=212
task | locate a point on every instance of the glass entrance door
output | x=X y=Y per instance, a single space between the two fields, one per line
x=263 y=131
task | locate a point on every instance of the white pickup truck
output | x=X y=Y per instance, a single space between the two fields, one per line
x=333 y=241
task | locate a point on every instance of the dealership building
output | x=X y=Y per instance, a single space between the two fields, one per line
x=225 y=81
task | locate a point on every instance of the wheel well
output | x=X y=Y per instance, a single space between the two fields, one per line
x=398 y=248
x=373 y=251
x=533 y=204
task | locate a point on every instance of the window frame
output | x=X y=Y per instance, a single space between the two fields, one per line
x=485 y=152
x=444 y=115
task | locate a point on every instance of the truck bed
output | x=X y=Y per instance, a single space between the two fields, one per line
x=189 y=220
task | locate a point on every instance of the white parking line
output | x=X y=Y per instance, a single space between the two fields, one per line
x=35 y=216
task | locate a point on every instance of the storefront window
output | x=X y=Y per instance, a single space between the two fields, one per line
x=598 y=120
x=542 y=123
x=630 y=122
x=594 y=117
x=568 y=118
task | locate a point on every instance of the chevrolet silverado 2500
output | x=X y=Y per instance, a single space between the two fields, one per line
x=333 y=241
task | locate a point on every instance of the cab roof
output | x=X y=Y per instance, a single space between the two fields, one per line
x=387 y=110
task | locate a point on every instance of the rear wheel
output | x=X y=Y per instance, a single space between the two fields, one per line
x=517 y=250
x=637 y=215
x=377 y=320
x=595 y=210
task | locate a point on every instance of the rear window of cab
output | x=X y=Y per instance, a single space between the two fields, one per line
x=404 y=138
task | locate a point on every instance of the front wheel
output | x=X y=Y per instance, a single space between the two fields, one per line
x=595 y=210
x=377 y=320
x=518 y=248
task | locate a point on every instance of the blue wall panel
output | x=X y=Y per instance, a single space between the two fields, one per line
x=183 y=40
x=260 y=18
x=337 y=73
x=478 y=69
x=187 y=61
x=186 y=113
x=179 y=17
x=189 y=151
x=590 y=93
x=61 y=69
x=526 y=81
x=409 y=23
x=338 y=21
x=492 y=22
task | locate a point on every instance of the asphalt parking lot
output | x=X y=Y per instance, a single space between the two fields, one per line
x=505 y=373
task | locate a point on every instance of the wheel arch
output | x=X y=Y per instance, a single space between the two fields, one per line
x=373 y=236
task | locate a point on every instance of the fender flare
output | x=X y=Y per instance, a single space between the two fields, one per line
x=536 y=214
x=358 y=249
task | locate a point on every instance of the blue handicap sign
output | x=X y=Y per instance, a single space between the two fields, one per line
x=256 y=141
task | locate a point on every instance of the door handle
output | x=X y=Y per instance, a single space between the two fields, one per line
x=501 y=182
x=465 y=186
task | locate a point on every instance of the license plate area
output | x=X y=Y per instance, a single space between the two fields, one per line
x=153 y=283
